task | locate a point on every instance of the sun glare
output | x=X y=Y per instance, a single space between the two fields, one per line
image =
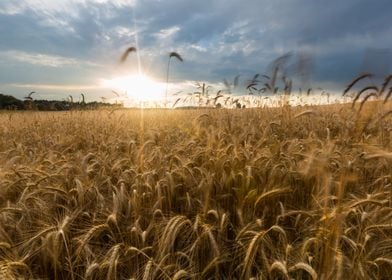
x=138 y=87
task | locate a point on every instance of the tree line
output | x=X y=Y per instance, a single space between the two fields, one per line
x=9 y=102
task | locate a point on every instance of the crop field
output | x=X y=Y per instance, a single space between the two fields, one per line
x=266 y=193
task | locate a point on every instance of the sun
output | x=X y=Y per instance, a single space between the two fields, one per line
x=138 y=87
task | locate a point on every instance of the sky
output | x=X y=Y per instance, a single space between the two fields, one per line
x=62 y=48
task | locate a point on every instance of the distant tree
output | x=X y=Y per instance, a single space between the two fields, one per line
x=10 y=102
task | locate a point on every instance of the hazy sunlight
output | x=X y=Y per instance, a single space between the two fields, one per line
x=138 y=87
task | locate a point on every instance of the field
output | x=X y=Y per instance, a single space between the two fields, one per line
x=264 y=193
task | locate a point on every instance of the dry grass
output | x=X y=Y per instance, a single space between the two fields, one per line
x=284 y=193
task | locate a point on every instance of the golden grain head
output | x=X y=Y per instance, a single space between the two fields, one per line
x=285 y=192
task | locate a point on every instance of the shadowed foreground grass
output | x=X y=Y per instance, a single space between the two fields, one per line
x=285 y=193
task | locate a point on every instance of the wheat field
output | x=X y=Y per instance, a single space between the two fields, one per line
x=264 y=193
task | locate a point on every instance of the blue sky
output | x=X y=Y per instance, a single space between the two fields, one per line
x=57 y=48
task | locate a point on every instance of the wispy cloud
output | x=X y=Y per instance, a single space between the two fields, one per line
x=39 y=59
x=59 y=87
x=167 y=32
x=50 y=6
x=43 y=59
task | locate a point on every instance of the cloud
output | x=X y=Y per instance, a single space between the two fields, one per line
x=49 y=7
x=56 y=87
x=167 y=32
x=41 y=59
x=217 y=38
